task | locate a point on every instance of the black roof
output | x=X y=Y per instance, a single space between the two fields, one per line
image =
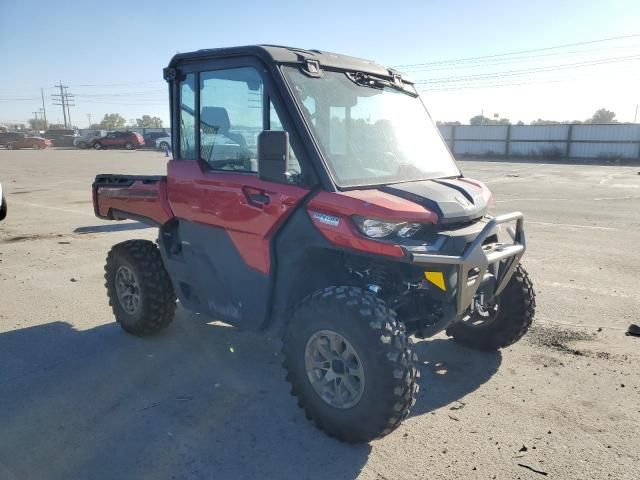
x=284 y=55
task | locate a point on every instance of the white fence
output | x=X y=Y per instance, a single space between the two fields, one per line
x=560 y=141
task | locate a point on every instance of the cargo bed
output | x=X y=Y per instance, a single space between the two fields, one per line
x=136 y=197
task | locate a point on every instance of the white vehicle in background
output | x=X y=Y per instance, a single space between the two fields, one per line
x=84 y=140
x=163 y=143
x=3 y=205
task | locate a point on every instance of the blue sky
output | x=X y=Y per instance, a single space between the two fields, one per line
x=119 y=49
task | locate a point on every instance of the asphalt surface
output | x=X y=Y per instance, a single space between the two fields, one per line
x=80 y=399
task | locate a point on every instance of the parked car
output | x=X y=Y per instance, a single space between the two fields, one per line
x=127 y=140
x=8 y=137
x=62 y=137
x=3 y=205
x=84 y=140
x=28 y=141
x=163 y=143
x=151 y=137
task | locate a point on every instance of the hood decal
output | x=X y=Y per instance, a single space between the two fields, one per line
x=452 y=199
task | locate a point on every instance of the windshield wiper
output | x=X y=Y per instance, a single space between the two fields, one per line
x=366 y=80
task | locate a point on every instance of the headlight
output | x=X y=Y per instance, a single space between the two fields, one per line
x=380 y=229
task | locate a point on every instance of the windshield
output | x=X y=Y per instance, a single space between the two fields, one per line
x=371 y=135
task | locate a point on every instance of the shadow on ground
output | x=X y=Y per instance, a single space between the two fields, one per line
x=111 y=227
x=450 y=371
x=196 y=401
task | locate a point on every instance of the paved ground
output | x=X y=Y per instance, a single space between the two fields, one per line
x=79 y=399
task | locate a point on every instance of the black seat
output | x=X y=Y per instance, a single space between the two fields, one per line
x=215 y=120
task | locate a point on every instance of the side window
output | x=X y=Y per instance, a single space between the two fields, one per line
x=276 y=124
x=187 y=118
x=230 y=118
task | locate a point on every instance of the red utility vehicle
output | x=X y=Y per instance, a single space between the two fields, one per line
x=311 y=194
x=127 y=140
x=28 y=141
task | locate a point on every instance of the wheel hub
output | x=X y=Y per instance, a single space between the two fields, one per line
x=482 y=313
x=334 y=369
x=127 y=289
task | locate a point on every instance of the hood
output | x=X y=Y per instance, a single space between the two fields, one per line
x=453 y=200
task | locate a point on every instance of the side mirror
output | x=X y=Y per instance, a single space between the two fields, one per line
x=273 y=155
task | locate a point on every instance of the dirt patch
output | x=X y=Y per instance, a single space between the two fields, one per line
x=25 y=238
x=559 y=338
x=22 y=192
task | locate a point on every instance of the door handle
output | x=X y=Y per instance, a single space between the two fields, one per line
x=255 y=197
x=260 y=198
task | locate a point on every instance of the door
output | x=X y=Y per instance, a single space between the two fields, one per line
x=227 y=215
x=110 y=140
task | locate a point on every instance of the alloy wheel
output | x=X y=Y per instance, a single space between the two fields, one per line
x=334 y=369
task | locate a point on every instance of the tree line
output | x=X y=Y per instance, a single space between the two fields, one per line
x=110 y=121
x=601 y=116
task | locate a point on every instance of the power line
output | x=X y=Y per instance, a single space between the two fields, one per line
x=512 y=73
x=505 y=83
x=116 y=84
x=555 y=47
x=507 y=61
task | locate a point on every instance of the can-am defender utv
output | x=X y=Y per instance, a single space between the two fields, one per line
x=310 y=193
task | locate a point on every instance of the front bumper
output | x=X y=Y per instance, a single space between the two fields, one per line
x=477 y=258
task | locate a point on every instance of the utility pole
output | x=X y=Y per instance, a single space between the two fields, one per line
x=70 y=99
x=65 y=100
x=61 y=98
x=44 y=111
x=89 y=117
x=35 y=125
x=635 y=117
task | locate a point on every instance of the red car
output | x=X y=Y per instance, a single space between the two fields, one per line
x=27 y=141
x=127 y=140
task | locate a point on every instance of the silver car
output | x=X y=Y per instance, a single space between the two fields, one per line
x=84 y=140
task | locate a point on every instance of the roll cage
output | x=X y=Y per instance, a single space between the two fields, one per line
x=268 y=59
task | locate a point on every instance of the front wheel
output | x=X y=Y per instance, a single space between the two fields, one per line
x=11 y=146
x=502 y=323
x=138 y=286
x=97 y=146
x=350 y=363
x=164 y=146
x=128 y=146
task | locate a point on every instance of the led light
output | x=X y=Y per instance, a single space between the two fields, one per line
x=409 y=230
x=376 y=228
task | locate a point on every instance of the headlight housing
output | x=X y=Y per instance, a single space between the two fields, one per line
x=375 y=228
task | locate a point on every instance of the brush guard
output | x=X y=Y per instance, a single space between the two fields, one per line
x=474 y=263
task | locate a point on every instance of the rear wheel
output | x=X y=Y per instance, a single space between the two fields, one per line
x=128 y=146
x=11 y=146
x=164 y=146
x=502 y=323
x=350 y=364
x=139 y=289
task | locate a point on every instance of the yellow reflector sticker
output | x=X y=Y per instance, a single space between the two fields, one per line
x=437 y=278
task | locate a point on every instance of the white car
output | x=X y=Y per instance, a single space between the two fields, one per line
x=3 y=205
x=163 y=143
